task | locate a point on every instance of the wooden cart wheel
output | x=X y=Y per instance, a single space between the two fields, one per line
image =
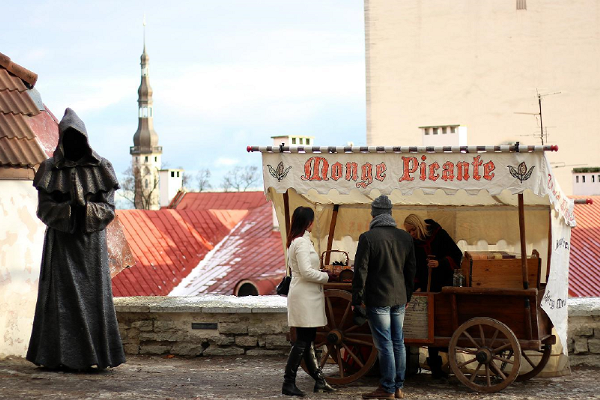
x=536 y=364
x=345 y=351
x=536 y=359
x=485 y=342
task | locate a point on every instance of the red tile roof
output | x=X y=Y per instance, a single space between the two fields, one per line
x=218 y=201
x=167 y=245
x=584 y=265
x=224 y=237
x=28 y=132
x=253 y=251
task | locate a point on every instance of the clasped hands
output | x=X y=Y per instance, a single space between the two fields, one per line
x=77 y=196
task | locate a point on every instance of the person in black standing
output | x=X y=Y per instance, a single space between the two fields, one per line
x=384 y=272
x=435 y=250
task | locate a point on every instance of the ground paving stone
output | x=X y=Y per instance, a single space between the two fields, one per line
x=237 y=378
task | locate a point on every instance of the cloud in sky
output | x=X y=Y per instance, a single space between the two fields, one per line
x=225 y=74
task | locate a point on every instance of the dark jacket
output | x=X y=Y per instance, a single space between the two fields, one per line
x=438 y=243
x=384 y=268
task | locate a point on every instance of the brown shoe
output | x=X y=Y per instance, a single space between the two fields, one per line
x=378 y=393
x=399 y=394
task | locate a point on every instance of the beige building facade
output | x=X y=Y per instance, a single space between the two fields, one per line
x=481 y=64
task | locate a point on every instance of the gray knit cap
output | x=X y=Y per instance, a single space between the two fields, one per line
x=381 y=205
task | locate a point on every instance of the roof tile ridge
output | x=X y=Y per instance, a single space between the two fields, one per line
x=21 y=72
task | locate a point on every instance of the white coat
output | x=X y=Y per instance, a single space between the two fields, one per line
x=305 y=300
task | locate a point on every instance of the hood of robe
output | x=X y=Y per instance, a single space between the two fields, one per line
x=73 y=147
x=93 y=172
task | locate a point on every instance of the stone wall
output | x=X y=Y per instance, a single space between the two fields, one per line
x=584 y=331
x=257 y=326
x=203 y=325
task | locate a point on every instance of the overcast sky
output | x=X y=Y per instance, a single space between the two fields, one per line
x=225 y=74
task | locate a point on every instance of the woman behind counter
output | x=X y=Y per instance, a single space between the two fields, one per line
x=435 y=249
x=305 y=303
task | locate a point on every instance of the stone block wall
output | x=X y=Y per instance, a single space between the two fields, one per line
x=205 y=325
x=257 y=326
x=584 y=331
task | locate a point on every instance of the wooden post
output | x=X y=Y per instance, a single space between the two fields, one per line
x=523 y=243
x=286 y=207
x=336 y=207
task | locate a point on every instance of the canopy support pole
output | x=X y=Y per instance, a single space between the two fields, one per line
x=286 y=206
x=336 y=207
x=528 y=322
x=523 y=243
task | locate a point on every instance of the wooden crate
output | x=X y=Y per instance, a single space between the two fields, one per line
x=489 y=269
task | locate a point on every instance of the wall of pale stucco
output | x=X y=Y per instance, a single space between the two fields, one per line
x=21 y=241
x=479 y=62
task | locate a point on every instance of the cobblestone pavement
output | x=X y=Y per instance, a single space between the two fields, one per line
x=247 y=378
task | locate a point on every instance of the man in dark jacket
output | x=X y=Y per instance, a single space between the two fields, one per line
x=384 y=272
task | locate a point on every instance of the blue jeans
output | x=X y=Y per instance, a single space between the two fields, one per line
x=386 y=327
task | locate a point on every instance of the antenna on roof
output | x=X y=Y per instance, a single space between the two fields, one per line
x=542 y=131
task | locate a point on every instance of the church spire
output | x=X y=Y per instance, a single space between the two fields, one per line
x=145 y=152
x=145 y=139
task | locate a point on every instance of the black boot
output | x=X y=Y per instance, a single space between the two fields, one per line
x=435 y=363
x=310 y=359
x=291 y=369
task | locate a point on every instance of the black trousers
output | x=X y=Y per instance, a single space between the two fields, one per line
x=306 y=335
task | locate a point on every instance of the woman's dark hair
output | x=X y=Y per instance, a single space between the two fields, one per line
x=301 y=219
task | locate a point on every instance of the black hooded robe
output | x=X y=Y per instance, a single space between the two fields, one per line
x=75 y=324
x=438 y=243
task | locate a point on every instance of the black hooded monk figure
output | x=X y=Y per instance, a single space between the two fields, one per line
x=75 y=325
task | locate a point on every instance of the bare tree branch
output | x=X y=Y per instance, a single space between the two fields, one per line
x=202 y=177
x=241 y=178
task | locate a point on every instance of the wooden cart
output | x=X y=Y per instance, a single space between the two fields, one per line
x=495 y=327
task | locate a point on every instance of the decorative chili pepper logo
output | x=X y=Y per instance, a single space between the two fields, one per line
x=280 y=172
x=521 y=172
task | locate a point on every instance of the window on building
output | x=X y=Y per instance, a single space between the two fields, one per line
x=444 y=129
x=178 y=174
x=583 y=179
x=598 y=178
x=307 y=141
x=172 y=174
x=521 y=4
x=137 y=159
x=593 y=179
x=426 y=131
x=576 y=178
x=293 y=140
x=435 y=131
x=146 y=159
x=301 y=141
x=155 y=159
x=453 y=129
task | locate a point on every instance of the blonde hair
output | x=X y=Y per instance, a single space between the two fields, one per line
x=418 y=223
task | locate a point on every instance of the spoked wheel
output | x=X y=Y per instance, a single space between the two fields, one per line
x=345 y=351
x=492 y=355
x=534 y=359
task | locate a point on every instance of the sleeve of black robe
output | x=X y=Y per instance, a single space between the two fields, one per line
x=99 y=211
x=56 y=211
x=61 y=215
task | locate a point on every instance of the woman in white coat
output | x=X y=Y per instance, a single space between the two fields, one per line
x=305 y=303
